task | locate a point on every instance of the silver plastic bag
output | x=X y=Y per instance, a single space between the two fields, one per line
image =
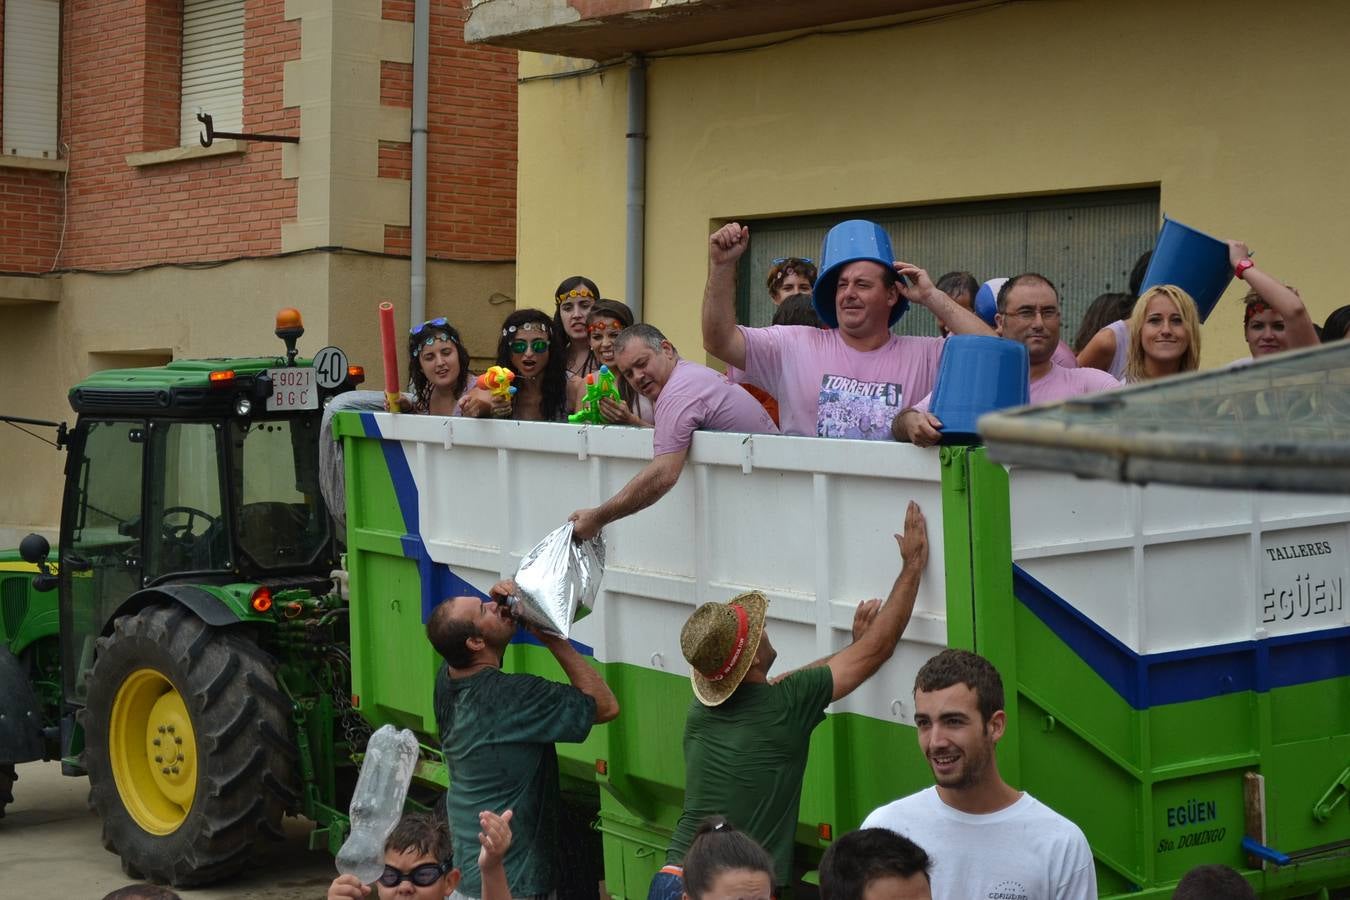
x=558 y=581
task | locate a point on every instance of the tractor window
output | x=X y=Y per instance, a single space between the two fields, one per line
x=185 y=531
x=281 y=518
x=101 y=554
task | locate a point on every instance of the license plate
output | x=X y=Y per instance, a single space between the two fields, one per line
x=292 y=389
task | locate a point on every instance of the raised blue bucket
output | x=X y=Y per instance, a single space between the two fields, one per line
x=845 y=243
x=1193 y=261
x=978 y=374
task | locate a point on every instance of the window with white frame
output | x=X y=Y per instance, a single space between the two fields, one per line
x=32 y=78
x=213 y=66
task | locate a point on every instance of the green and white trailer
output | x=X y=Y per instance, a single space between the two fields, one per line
x=1177 y=659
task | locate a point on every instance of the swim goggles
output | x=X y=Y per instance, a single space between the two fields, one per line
x=424 y=875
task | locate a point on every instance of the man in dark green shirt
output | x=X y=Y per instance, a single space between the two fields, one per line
x=746 y=737
x=497 y=734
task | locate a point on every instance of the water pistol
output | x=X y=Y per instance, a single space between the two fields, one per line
x=497 y=380
x=599 y=385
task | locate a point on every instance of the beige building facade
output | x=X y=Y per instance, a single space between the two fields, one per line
x=1227 y=112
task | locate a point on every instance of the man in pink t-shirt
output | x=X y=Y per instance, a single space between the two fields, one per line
x=849 y=380
x=687 y=397
x=1028 y=312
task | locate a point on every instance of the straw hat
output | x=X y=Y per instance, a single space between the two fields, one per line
x=720 y=641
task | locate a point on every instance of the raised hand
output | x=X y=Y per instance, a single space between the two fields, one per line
x=728 y=243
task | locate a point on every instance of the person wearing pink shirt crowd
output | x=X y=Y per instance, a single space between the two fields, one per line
x=856 y=364
x=688 y=397
x=1029 y=313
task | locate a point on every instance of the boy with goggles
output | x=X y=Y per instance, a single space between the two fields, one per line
x=417 y=861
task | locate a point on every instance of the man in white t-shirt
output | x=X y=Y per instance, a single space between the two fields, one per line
x=985 y=838
x=687 y=397
x=850 y=379
x=1028 y=312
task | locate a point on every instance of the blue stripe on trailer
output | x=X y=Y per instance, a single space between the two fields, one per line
x=1179 y=676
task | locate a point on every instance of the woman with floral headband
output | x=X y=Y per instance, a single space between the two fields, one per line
x=1275 y=318
x=438 y=368
x=606 y=319
x=545 y=392
x=574 y=299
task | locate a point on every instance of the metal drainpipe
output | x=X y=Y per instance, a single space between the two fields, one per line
x=637 y=185
x=418 y=199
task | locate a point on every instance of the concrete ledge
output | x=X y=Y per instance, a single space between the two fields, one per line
x=179 y=154
x=23 y=289
x=32 y=163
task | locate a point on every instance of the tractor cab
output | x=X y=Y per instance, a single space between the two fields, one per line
x=194 y=484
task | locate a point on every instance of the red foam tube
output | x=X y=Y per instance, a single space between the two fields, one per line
x=390 y=347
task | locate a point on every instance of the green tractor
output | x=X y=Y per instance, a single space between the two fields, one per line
x=195 y=663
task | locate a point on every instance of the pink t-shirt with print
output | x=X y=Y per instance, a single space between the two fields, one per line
x=696 y=397
x=1058 y=384
x=825 y=388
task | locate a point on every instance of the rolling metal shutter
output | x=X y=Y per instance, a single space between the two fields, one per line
x=32 y=77
x=213 y=66
x=1084 y=243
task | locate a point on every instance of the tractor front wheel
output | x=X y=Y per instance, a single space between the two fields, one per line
x=188 y=748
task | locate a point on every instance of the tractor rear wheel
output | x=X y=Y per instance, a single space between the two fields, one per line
x=188 y=747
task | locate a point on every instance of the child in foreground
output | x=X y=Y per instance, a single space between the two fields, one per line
x=418 y=853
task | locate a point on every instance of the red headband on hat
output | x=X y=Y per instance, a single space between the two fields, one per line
x=742 y=634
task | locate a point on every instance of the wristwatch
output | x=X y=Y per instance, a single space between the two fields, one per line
x=1242 y=266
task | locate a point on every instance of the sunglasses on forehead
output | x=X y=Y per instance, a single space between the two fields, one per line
x=801 y=259
x=537 y=345
x=424 y=875
x=438 y=322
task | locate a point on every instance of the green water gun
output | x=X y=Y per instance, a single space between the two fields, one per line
x=599 y=385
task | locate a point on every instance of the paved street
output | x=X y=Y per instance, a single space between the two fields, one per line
x=50 y=850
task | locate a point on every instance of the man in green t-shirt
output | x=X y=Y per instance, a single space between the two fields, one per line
x=497 y=734
x=746 y=737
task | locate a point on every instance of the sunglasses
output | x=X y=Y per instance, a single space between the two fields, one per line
x=801 y=259
x=604 y=328
x=424 y=875
x=438 y=322
x=537 y=345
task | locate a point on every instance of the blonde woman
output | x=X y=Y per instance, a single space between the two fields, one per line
x=1164 y=335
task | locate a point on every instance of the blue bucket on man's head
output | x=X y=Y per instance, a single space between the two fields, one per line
x=1193 y=261
x=986 y=299
x=856 y=239
x=978 y=374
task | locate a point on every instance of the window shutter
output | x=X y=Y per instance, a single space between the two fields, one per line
x=213 y=66
x=32 y=77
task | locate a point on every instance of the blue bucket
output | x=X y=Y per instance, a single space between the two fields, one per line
x=1193 y=261
x=978 y=374
x=986 y=299
x=845 y=243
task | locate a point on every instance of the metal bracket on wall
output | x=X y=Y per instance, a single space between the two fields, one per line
x=209 y=136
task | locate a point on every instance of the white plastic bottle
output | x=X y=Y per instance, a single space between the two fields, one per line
x=377 y=802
